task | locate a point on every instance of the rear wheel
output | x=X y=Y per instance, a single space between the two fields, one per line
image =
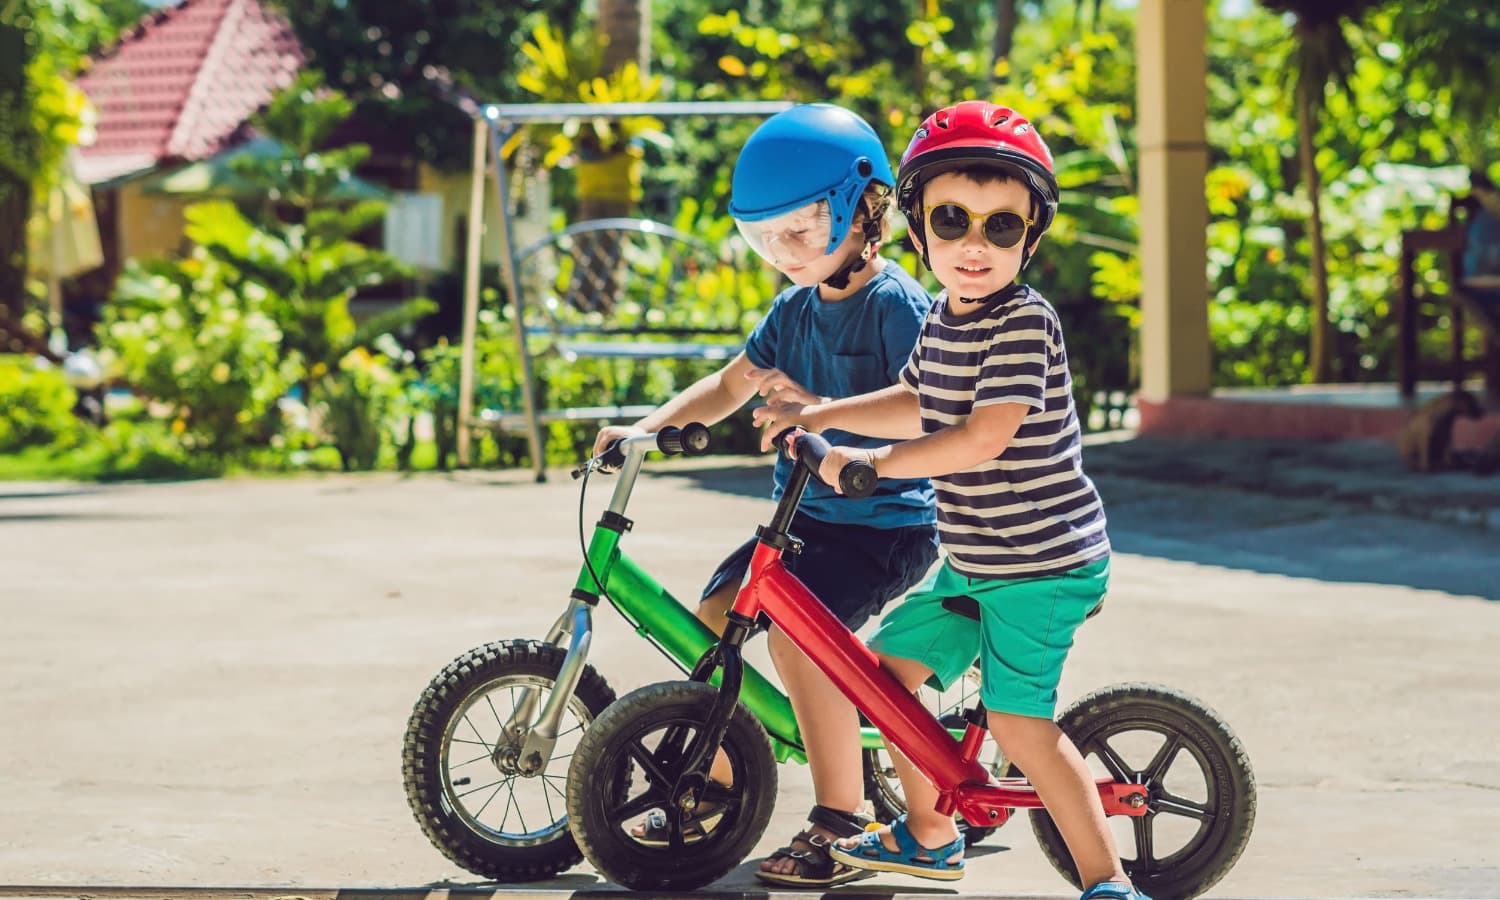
x=883 y=788
x=1200 y=788
x=459 y=762
x=651 y=730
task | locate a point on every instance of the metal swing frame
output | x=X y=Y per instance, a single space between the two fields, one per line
x=494 y=125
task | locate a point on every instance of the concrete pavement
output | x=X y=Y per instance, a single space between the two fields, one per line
x=206 y=683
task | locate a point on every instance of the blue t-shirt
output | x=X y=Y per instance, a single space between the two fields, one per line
x=840 y=349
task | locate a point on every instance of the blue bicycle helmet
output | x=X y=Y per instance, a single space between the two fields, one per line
x=810 y=154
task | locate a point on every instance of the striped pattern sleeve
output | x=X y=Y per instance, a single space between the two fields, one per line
x=1018 y=359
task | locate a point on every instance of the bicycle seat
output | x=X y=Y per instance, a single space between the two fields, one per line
x=968 y=607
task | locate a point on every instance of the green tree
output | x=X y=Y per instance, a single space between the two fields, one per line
x=18 y=151
x=404 y=63
x=1323 y=58
x=1456 y=47
x=41 y=42
x=289 y=251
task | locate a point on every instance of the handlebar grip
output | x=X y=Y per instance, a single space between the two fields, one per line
x=856 y=479
x=614 y=455
x=692 y=439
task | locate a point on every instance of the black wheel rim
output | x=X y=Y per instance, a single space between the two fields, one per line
x=1172 y=807
x=656 y=750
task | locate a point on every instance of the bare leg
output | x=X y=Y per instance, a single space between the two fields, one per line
x=1063 y=781
x=713 y=610
x=829 y=725
x=930 y=827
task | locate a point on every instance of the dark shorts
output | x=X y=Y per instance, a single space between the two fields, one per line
x=853 y=569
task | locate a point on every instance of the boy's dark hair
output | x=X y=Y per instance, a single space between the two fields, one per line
x=874 y=208
x=981 y=174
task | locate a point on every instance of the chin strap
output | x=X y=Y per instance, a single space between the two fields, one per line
x=840 y=279
x=1006 y=292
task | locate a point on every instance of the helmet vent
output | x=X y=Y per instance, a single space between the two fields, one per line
x=865 y=169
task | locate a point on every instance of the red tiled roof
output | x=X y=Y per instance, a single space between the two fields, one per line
x=180 y=84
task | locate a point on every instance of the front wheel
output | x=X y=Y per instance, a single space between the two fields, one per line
x=1200 y=788
x=459 y=761
x=652 y=729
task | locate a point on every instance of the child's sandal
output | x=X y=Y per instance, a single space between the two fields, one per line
x=695 y=825
x=815 y=867
x=909 y=857
x=1113 y=890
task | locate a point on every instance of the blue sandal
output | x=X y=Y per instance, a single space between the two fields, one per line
x=910 y=857
x=1113 y=890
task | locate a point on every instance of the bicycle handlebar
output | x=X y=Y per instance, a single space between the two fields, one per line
x=856 y=479
x=692 y=439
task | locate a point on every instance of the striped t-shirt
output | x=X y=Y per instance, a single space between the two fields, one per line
x=1030 y=511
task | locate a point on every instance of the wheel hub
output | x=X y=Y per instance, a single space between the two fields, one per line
x=507 y=758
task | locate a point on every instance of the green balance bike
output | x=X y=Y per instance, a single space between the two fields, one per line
x=487 y=748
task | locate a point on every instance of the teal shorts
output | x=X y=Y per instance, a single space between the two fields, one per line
x=1023 y=635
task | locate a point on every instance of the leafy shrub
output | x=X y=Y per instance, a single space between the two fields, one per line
x=36 y=407
x=193 y=338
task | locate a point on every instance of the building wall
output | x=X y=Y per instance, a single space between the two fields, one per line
x=148 y=226
x=453 y=188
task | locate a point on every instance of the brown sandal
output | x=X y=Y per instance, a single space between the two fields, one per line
x=815 y=867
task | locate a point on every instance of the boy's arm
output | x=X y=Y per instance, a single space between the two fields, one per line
x=890 y=412
x=982 y=436
x=710 y=399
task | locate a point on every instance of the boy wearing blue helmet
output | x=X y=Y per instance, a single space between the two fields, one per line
x=810 y=193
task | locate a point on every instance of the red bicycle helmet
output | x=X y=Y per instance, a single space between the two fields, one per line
x=977 y=132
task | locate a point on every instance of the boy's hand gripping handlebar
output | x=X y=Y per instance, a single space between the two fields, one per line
x=856 y=479
x=692 y=439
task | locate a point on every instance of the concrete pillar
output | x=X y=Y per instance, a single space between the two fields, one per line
x=1171 y=93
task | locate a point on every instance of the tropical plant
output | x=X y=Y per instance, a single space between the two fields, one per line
x=41 y=43
x=1456 y=47
x=203 y=345
x=290 y=246
x=408 y=65
x=1323 y=58
x=36 y=406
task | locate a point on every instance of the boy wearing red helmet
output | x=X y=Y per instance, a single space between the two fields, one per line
x=985 y=408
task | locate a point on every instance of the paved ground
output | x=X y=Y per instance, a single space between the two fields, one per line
x=205 y=683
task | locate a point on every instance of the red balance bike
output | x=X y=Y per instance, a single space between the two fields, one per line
x=1170 y=769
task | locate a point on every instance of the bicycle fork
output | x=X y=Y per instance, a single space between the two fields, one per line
x=577 y=621
x=725 y=658
x=541 y=736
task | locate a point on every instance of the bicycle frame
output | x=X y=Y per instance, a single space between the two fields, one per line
x=963 y=785
x=656 y=616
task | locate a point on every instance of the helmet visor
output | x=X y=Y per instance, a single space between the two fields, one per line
x=790 y=239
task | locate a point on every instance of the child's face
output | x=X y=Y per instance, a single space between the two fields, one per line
x=972 y=265
x=806 y=270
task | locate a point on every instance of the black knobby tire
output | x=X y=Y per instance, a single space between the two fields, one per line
x=1208 y=834
x=649 y=728
x=448 y=767
x=883 y=788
